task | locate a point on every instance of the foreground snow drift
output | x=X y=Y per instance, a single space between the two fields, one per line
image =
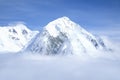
x=34 y=67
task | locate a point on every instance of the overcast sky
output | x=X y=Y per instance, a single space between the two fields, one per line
x=90 y=14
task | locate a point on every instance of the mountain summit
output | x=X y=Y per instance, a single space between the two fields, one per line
x=63 y=36
x=14 y=38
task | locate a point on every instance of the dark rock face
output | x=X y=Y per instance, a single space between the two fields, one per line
x=55 y=43
x=52 y=46
x=13 y=31
x=24 y=32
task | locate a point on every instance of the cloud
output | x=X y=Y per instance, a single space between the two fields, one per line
x=16 y=67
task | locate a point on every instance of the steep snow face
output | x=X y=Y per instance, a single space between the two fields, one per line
x=14 y=38
x=65 y=36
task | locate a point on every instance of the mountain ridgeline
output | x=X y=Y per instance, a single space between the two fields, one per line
x=59 y=37
x=63 y=36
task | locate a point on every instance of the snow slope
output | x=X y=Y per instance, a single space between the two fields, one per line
x=63 y=36
x=13 y=38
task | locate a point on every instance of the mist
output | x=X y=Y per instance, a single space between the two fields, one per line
x=70 y=67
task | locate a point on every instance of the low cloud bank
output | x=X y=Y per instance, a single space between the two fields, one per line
x=36 y=67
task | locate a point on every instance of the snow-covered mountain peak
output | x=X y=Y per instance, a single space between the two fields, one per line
x=19 y=25
x=63 y=36
x=15 y=37
x=63 y=24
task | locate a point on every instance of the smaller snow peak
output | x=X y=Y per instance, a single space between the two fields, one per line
x=21 y=26
x=17 y=36
x=19 y=29
x=16 y=24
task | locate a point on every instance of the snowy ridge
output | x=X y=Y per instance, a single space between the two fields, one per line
x=13 y=38
x=63 y=36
